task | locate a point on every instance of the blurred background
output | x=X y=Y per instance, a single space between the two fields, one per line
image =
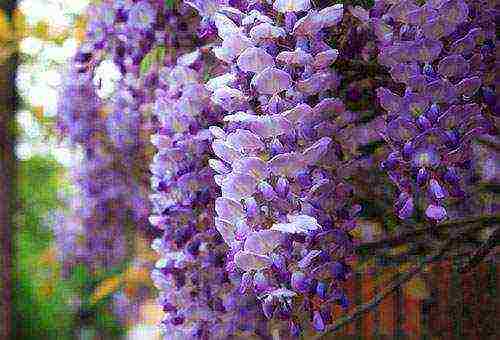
x=37 y=37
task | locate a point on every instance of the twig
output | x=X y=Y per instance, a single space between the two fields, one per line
x=482 y=252
x=393 y=285
x=404 y=237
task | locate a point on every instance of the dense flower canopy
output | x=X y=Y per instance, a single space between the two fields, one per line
x=252 y=115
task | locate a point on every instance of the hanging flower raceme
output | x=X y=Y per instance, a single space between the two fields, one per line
x=282 y=211
x=435 y=51
x=199 y=298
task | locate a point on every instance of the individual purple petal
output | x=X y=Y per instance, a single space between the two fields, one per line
x=251 y=207
x=249 y=261
x=416 y=103
x=401 y=10
x=271 y=126
x=232 y=47
x=314 y=153
x=469 y=86
x=255 y=59
x=451 y=176
x=401 y=129
x=282 y=187
x=442 y=91
x=455 y=11
x=271 y=81
x=255 y=16
x=403 y=72
x=263 y=242
x=300 y=282
x=453 y=65
x=252 y=166
x=287 y=6
x=238 y=186
x=422 y=176
x=298 y=113
x=225 y=26
x=318 y=322
x=226 y=230
x=242 y=230
x=229 y=210
x=225 y=80
x=390 y=101
x=427 y=50
x=407 y=208
x=225 y=151
x=245 y=140
x=423 y=122
x=287 y=164
x=267 y=190
x=421 y=15
x=437 y=28
x=360 y=13
x=260 y=282
x=217 y=132
x=457 y=115
x=307 y=260
x=436 y=189
x=318 y=82
x=268 y=307
x=384 y=33
x=229 y=98
x=435 y=212
x=246 y=282
x=266 y=31
x=322 y=290
x=142 y=15
x=189 y=59
x=294 y=58
x=309 y=25
x=298 y=224
x=325 y=59
x=332 y=15
x=218 y=166
x=294 y=329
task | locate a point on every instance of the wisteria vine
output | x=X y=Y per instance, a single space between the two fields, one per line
x=256 y=136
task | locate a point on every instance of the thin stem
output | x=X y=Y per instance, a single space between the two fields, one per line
x=483 y=251
x=404 y=237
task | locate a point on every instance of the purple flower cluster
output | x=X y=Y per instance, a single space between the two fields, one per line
x=111 y=178
x=199 y=298
x=106 y=201
x=436 y=51
x=282 y=211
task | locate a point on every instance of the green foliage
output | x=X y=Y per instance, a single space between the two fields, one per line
x=40 y=310
x=153 y=58
x=43 y=303
x=169 y=3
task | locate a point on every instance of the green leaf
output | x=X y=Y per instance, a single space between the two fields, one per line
x=169 y=4
x=154 y=57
